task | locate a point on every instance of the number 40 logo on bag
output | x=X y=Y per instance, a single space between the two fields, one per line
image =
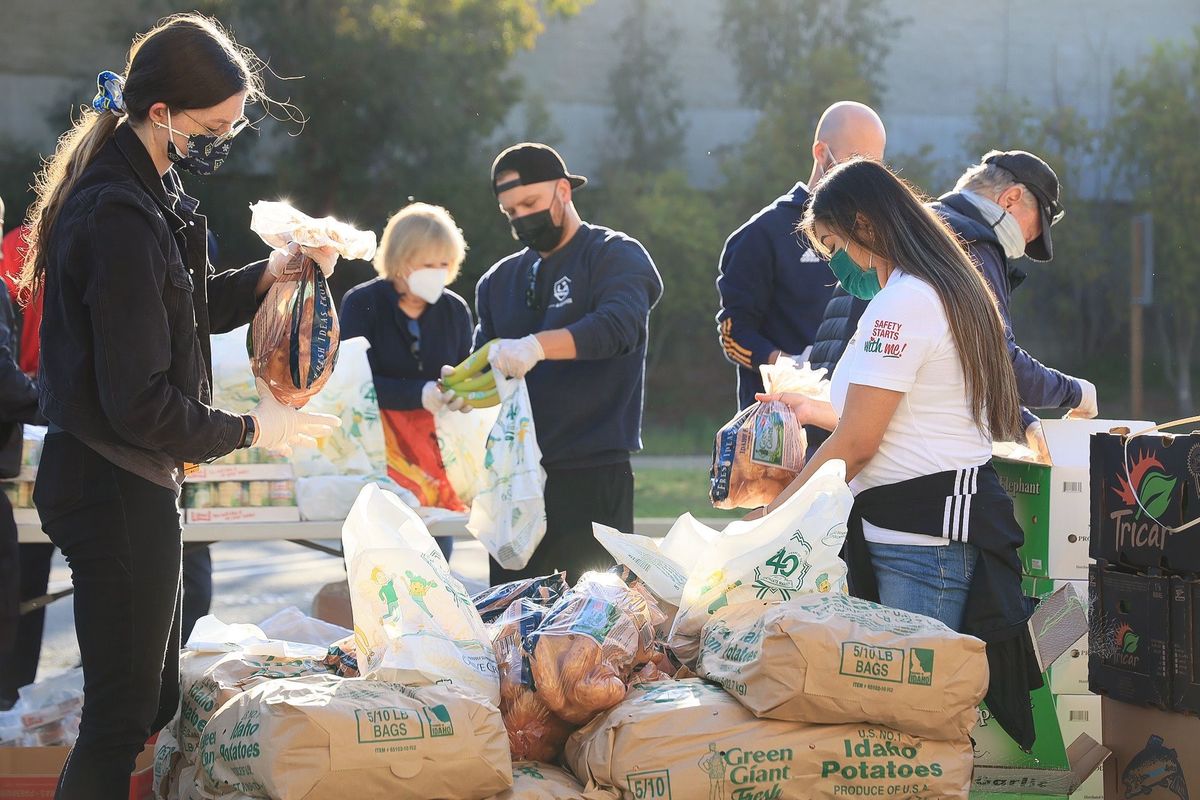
x=784 y=572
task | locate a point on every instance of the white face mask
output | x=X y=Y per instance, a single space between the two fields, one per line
x=1007 y=229
x=428 y=284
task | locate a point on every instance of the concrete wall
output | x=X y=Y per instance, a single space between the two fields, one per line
x=941 y=60
x=947 y=53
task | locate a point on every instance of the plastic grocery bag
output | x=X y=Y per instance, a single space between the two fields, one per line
x=356 y=448
x=791 y=551
x=662 y=564
x=294 y=336
x=462 y=438
x=758 y=452
x=509 y=514
x=414 y=623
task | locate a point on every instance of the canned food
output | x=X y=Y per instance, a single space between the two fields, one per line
x=24 y=494
x=199 y=495
x=229 y=494
x=283 y=493
x=259 y=494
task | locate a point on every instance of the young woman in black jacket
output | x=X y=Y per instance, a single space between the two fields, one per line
x=119 y=251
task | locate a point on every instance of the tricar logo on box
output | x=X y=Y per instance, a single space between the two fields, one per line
x=1147 y=493
x=1157 y=766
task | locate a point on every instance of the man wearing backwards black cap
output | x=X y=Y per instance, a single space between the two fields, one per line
x=1003 y=209
x=577 y=297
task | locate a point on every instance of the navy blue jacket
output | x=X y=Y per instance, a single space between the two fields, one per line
x=371 y=310
x=1038 y=385
x=601 y=287
x=773 y=290
x=130 y=302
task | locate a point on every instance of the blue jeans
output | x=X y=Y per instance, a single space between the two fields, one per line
x=925 y=580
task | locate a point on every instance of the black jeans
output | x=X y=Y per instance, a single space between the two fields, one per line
x=575 y=498
x=197 y=586
x=121 y=537
x=19 y=666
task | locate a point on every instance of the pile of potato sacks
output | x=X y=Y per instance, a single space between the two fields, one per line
x=712 y=679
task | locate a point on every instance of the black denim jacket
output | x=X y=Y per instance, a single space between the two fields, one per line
x=125 y=353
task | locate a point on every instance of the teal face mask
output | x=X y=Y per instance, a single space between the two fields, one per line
x=861 y=284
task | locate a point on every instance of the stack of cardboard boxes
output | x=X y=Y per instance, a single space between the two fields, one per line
x=1145 y=623
x=1051 y=502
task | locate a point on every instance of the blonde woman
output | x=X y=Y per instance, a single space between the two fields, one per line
x=415 y=325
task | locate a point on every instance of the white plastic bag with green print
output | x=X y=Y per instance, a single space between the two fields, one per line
x=414 y=623
x=356 y=448
x=509 y=514
x=462 y=439
x=791 y=551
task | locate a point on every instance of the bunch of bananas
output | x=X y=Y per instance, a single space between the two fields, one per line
x=473 y=380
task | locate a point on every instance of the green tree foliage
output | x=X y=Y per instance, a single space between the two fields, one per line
x=776 y=42
x=1152 y=142
x=402 y=99
x=645 y=126
x=794 y=58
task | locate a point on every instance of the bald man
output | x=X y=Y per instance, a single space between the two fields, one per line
x=774 y=288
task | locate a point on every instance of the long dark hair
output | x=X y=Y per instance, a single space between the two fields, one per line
x=187 y=61
x=866 y=203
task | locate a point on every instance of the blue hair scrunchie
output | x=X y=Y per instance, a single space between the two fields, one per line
x=111 y=94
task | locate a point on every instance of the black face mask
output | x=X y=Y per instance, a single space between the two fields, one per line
x=538 y=230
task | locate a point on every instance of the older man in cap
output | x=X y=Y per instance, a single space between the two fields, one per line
x=571 y=311
x=1003 y=208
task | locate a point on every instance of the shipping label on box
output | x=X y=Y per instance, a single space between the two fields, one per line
x=1155 y=753
x=1052 y=502
x=209 y=473
x=205 y=516
x=1129 y=637
x=1140 y=492
x=1069 y=674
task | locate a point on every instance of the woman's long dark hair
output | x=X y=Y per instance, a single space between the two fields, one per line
x=866 y=203
x=187 y=61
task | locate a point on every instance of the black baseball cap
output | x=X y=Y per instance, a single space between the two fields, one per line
x=1040 y=179
x=534 y=163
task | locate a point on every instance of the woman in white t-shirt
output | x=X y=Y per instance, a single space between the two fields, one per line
x=924 y=386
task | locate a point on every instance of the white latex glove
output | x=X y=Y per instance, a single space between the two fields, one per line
x=1087 y=408
x=1035 y=440
x=325 y=257
x=278 y=427
x=515 y=357
x=432 y=399
x=453 y=401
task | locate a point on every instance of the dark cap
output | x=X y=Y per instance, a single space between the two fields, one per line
x=533 y=163
x=1040 y=179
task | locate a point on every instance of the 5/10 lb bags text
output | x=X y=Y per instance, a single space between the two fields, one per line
x=325 y=737
x=832 y=658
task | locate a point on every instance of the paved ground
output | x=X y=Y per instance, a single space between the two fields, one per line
x=251 y=581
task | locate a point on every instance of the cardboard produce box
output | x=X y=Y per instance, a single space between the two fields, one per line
x=1050 y=768
x=1069 y=674
x=1156 y=754
x=31 y=773
x=1185 y=645
x=1051 y=502
x=205 y=516
x=1129 y=637
x=1135 y=502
